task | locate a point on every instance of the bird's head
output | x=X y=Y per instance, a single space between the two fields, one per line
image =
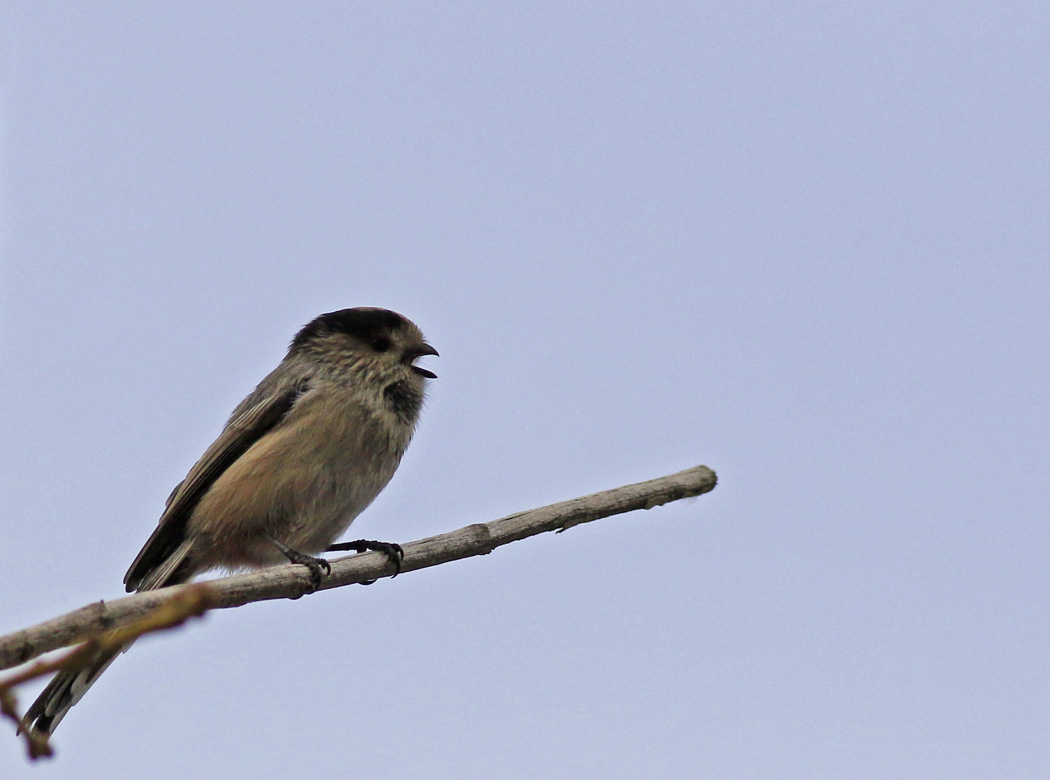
x=366 y=344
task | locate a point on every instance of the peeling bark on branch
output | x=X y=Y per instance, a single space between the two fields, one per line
x=290 y=581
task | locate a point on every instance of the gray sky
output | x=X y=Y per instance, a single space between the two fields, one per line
x=805 y=244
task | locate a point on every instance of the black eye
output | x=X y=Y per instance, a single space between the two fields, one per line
x=380 y=343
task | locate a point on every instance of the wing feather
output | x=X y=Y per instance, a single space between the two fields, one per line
x=241 y=432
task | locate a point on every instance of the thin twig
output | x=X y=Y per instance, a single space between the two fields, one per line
x=189 y=601
x=290 y=581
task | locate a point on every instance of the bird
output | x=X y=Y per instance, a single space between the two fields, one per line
x=297 y=461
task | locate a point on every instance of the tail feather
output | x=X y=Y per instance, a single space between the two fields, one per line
x=68 y=687
x=65 y=690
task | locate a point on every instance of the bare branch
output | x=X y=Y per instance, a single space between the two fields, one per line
x=292 y=581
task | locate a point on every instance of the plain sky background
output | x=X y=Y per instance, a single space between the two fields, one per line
x=803 y=243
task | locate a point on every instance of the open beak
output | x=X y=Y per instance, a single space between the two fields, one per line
x=417 y=352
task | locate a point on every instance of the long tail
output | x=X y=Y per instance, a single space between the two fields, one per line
x=68 y=687
x=65 y=690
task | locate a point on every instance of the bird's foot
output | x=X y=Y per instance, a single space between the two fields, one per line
x=319 y=567
x=392 y=551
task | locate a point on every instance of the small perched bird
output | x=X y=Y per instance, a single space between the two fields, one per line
x=302 y=456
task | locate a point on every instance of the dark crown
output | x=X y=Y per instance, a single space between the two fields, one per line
x=363 y=323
